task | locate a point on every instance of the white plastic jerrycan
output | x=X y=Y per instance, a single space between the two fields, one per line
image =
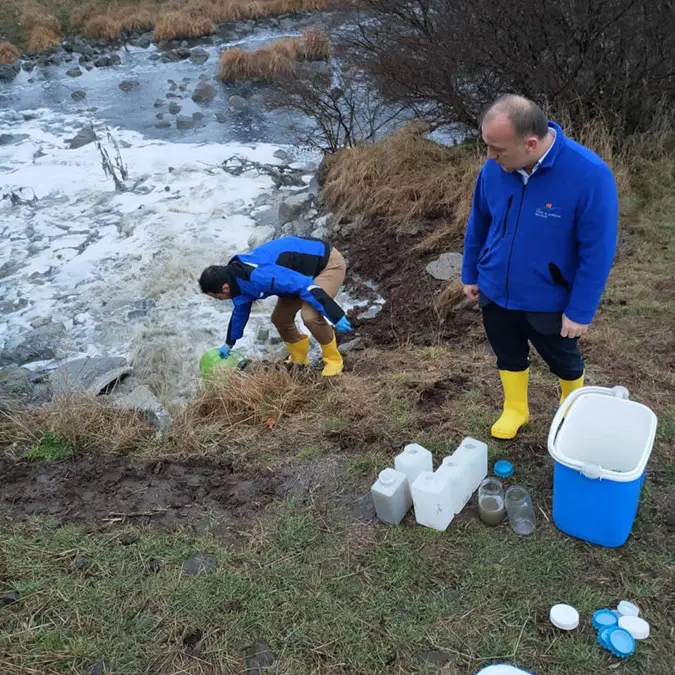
x=413 y=460
x=502 y=669
x=474 y=454
x=433 y=501
x=391 y=496
x=458 y=474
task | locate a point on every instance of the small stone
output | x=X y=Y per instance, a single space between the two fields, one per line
x=128 y=539
x=79 y=95
x=175 y=108
x=74 y=72
x=8 y=72
x=263 y=334
x=282 y=155
x=160 y=116
x=221 y=117
x=115 y=59
x=238 y=102
x=163 y=124
x=9 y=598
x=103 y=62
x=353 y=345
x=159 y=103
x=128 y=85
x=197 y=116
x=258 y=657
x=155 y=565
x=99 y=668
x=184 y=122
x=84 y=137
x=448 y=266
x=200 y=563
x=80 y=563
x=199 y=56
x=204 y=93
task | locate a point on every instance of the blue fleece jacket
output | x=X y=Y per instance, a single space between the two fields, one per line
x=284 y=267
x=548 y=245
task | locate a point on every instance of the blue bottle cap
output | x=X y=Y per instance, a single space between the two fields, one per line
x=602 y=636
x=503 y=468
x=604 y=617
x=620 y=642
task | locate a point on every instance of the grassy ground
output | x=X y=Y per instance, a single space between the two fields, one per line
x=328 y=590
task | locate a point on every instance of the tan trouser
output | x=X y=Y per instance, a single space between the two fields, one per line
x=283 y=316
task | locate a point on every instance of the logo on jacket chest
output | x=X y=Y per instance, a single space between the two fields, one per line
x=548 y=210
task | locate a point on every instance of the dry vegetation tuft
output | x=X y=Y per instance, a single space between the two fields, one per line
x=86 y=423
x=101 y=28
x=181 y=26
x=403 y=180
x=8 y=52
x=43 y=30
x=278 y=59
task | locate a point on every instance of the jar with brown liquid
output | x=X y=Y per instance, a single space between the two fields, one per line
x=491 y=508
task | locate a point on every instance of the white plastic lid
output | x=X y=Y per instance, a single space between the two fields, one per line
x=636 y=626
x=626 y=608
x=564 y=617
x=387 y=476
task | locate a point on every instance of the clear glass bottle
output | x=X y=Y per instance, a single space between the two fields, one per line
x=491 y=508
x=520 y=510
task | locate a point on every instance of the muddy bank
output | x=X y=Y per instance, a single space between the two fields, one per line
x=413 y=310
x=201 y=493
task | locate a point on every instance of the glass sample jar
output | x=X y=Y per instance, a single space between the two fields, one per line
x=520 y=510
x=491 y=509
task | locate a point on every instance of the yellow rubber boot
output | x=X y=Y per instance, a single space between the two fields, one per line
x=332 y=359
x=516 y=412
x=298 y=351
x=568 y=386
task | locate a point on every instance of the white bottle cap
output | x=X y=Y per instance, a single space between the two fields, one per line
x=626 y=608
x=564 y=617
x=387 y=476
x=636 y=626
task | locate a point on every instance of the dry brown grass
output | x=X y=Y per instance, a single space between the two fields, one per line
x=32 y=17
x=41 y=38
x=403 y=180
x=8 y=52
x=86 y=423
x=182 y=26
x=101 y=28
x=275 y=60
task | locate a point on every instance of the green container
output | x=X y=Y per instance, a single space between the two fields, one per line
x=212 y=363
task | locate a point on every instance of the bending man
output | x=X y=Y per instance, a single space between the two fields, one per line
x=305 y=274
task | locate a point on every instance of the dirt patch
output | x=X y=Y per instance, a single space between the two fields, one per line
x=98 y=491
x=412 y=312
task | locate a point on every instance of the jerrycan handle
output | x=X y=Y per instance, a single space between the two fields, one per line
x=619 y=392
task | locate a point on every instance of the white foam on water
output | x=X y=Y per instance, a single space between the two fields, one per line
x=120 y=270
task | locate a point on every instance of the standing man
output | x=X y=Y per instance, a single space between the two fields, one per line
x=306 y=274
x=539 y=247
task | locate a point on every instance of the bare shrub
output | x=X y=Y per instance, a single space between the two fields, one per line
x=450 y=59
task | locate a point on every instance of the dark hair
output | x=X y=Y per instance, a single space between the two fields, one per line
x=526 y=117
x=213 y=278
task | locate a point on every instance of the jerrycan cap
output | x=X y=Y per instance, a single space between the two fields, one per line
x=387 y=476
x=503 y=468
x=564 y=617
x=626 y=608
x=603 y=618
x=620 y=642
x=636 y=626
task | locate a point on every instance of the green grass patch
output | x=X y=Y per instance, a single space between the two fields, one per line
x=325 y=597
x=51 y=447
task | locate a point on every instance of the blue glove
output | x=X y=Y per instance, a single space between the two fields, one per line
x=343 y=325
x=224 y=351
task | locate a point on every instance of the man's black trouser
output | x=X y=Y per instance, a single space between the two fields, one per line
x=510 y=331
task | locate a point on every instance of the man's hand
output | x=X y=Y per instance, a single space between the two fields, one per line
x=471 y=291
x=570 y=329
x=224 y=351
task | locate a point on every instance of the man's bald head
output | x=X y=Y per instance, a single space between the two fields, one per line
x=525 y=116
x=516 y=132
